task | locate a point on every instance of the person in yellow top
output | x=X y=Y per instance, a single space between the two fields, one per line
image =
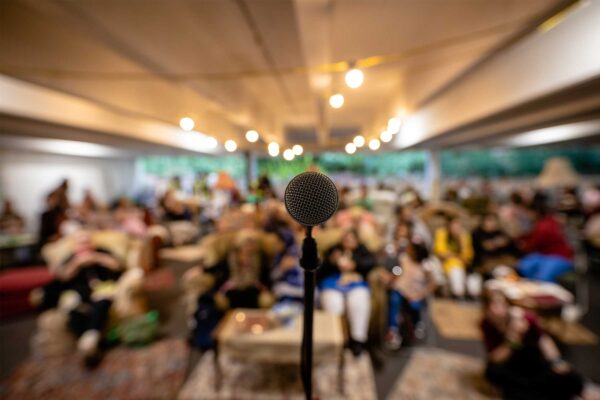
x=453 y=246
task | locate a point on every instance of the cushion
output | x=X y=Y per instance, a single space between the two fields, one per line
x=15 y=285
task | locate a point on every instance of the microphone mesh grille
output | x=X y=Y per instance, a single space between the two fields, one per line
x=311 y=198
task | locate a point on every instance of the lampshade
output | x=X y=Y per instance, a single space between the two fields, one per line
x=557 y=172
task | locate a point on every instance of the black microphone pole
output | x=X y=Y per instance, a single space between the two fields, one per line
x=309 y=262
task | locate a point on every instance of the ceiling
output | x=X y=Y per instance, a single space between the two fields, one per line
x=267 y=65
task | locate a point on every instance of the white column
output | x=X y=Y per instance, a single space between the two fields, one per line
x=433 y=189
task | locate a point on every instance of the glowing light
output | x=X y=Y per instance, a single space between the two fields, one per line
x=359 y=141
x=374 y=144
x=230 y=146
x=252 y=136
x=186 y=123
x=273 y=149
x=386 y=136
x=211 y=142
x=288 y=154
x=336 y=100
x=297 y=149
x=354 y=78
x=350 y=148
x=394 y=125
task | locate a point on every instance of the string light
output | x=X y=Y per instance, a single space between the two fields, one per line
x=394 y=125
x=297 y=149
x=336 y=100
x=230 y=146
x=386 y=136
x=273 y=149
x=374 y=144
x=252 y=136
x=354 y=78
x=211 y=142
x=186 y=123
x=359 y=141
x=350 y=148
x=288 y=154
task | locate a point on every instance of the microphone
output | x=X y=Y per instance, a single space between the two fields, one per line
x=311 y=198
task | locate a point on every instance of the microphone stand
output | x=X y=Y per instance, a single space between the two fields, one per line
x=309 y=262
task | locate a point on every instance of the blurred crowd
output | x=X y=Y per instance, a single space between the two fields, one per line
x=381 y=239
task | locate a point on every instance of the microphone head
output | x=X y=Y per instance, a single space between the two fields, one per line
x=311 y=198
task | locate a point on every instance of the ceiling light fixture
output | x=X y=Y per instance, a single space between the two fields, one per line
x=288 y=154
x=186 y=123
x=374 y=144
x=350 y=148
x=273 y=149
x=394 y=125
x=336 y=100
x=297 y=149
x=252 y=136
x=354 y=78
x=359 y=141
x=386 y=136
x=211 y=142
x=230 y=146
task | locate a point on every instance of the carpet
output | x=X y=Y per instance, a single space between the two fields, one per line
x=153 y=372
x=460 y=321
x=191 y=253
x=270 y=382
x=455 y=320
x=440 y=374
x=570 y=333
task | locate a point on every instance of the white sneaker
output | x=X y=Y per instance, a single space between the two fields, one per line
x=88 y=342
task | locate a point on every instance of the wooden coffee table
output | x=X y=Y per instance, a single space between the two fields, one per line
x=256 y=336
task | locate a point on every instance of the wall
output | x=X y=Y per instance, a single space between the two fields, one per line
x=26 y=178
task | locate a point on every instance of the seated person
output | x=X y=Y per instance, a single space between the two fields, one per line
x=11 y=223
x=242 y=280
x=51 y=220
x=410 y=283
x=85 y=284
x=492 y=245
x=522 y=360
x=343 y=285
x=454 y=248
x=286 y=274
x=548 y=253
x=364 y=201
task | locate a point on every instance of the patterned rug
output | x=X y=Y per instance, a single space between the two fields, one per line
x=270 y=382
x=153 y=372
x=440 y=374
x=455 y=320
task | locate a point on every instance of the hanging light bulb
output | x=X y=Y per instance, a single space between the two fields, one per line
x=336 y=100
x=394 y=125
x=252 y=136
x=354 y=78
x=186 y=123
x=359 y=141
x=350 y=148
x=386 y=136
x=273 y=149
x=297 y=149
x=230 y=146
x=288 y=154
x=211 y=142
x=374 y=144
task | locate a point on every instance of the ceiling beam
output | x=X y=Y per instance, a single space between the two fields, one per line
x=314 y=18
x=541 y=64
x=29 y=101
